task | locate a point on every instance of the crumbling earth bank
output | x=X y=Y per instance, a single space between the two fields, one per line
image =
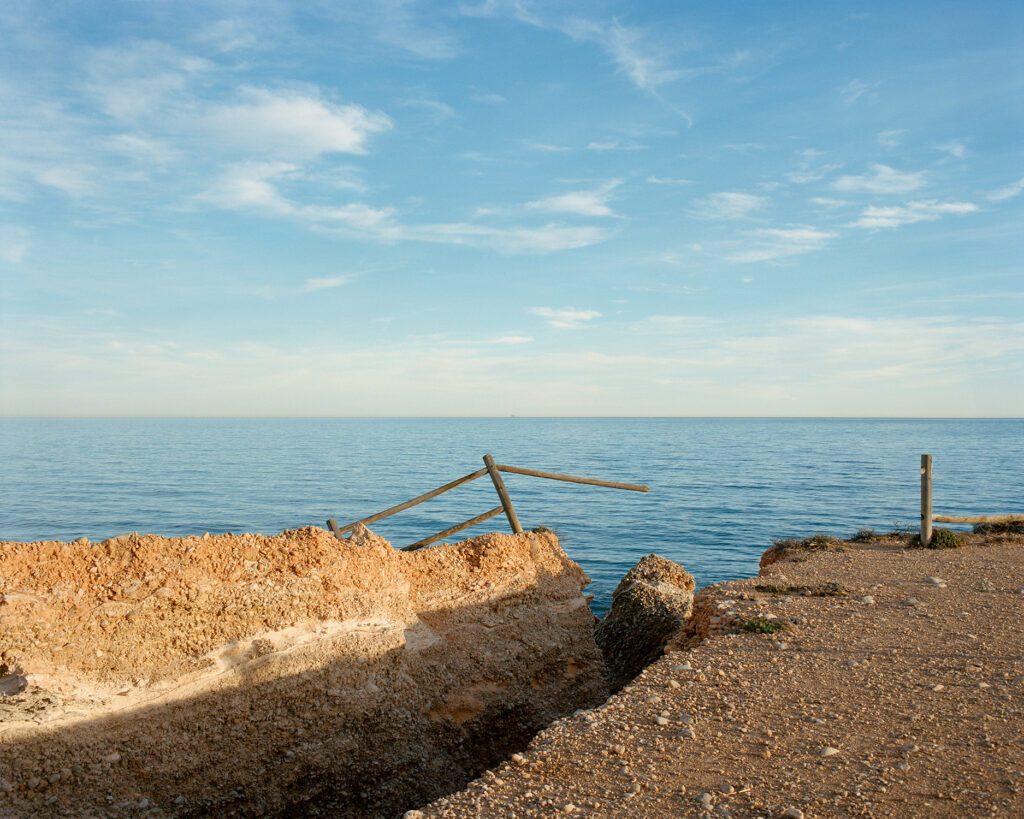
x=149 y=676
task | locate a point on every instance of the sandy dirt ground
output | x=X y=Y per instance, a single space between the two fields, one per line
x=894 y=688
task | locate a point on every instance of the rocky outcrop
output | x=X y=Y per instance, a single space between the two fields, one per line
x=650 y=604
x=149 y=676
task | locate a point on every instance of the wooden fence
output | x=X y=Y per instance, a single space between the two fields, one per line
x=494 y=471
x=928 y=517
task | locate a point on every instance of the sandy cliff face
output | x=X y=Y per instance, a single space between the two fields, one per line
x=262 y=675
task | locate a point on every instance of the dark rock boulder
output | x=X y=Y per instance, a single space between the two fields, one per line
x=650 y=604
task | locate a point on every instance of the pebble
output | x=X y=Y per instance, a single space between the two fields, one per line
x=936 y=581
x=795 y=813
x=673 y=684
x=682 y=667
x=661 y=721
x=910 y=747
x=903 y=766
x=113 y=758
x=936 y=687
x=912 y=601
x=726 y=788
x=569 y=808
x=519 y=759
x=687 y=733
x=828 y=750
x=984 y=685
x=705 y=798
x=413 y=814
x=1019 y=590
x=869 y=600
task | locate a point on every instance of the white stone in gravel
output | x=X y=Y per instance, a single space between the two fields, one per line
x=413 y=814
x=795 y=813
x=984 y=685
x=518 y=759
x=937 y=687
x=113 y=758
x=682 y=667
x=828 y=750
x=661 y=721
x=569 y=808
x=726 y=788
x=911 y=601
x=706 y=798
x=673 y=684
x=936 y=581
x=687 y=733
x=868 y=599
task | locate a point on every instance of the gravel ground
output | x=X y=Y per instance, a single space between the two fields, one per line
x=893 y=689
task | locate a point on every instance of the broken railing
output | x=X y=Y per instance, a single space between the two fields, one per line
x=494 y=470
x=928 y=517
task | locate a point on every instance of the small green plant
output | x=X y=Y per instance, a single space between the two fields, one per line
x=775 y=588
x=762 y=625
x=829 y=590
x=1006 y=527
x=541 y=530
x=945 y=539
x=864 y=534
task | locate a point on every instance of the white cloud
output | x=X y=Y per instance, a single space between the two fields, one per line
x=543 y=146
x=144 y=148
x=250 y=185
x=769 y=244
x=14 y=244
x=667 y=180
x=728 y=205
x=894 y=216
x=891 y=138
x=312 y=285
x=827 y=202
x=568 y=318
x=513 y=340
x=1007 y=192
x=955 y=148
x=294 y=125
x=883 y=180
x=582 y=203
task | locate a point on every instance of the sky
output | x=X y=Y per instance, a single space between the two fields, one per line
x=489 y=208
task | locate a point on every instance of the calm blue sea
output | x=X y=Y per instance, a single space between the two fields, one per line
x=721 y=489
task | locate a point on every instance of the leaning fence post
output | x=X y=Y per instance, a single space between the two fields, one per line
x=926 y=499
x=506 y=501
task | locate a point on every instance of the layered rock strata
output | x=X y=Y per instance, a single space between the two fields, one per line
x=650 y=604
x=252 y=675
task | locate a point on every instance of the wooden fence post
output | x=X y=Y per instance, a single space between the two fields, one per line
x=506 y=501
x=926 y=499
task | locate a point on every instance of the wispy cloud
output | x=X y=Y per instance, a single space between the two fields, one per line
x=769 y=244
x=513 y=340
x=566 y=318
x=894 y=216
x=857 y=89
x=614 y=145
x=14 y=244
x=1008 y=191
x=667 y=180
x=544 y=146
x=632 y=50
x=955 y=148
x=728 y=205
x=583 y=203
x=892 y=138
x=883 y=179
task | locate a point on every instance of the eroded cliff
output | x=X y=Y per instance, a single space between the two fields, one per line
x=267 y=675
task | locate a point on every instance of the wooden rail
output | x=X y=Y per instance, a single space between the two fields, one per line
x=494 y=471
x=928 y=516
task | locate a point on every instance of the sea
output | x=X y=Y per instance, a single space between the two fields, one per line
x=721 y=489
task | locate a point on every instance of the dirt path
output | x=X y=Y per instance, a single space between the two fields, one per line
x=896 y=692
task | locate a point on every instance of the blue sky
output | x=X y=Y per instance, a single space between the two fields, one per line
x=492 y=208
